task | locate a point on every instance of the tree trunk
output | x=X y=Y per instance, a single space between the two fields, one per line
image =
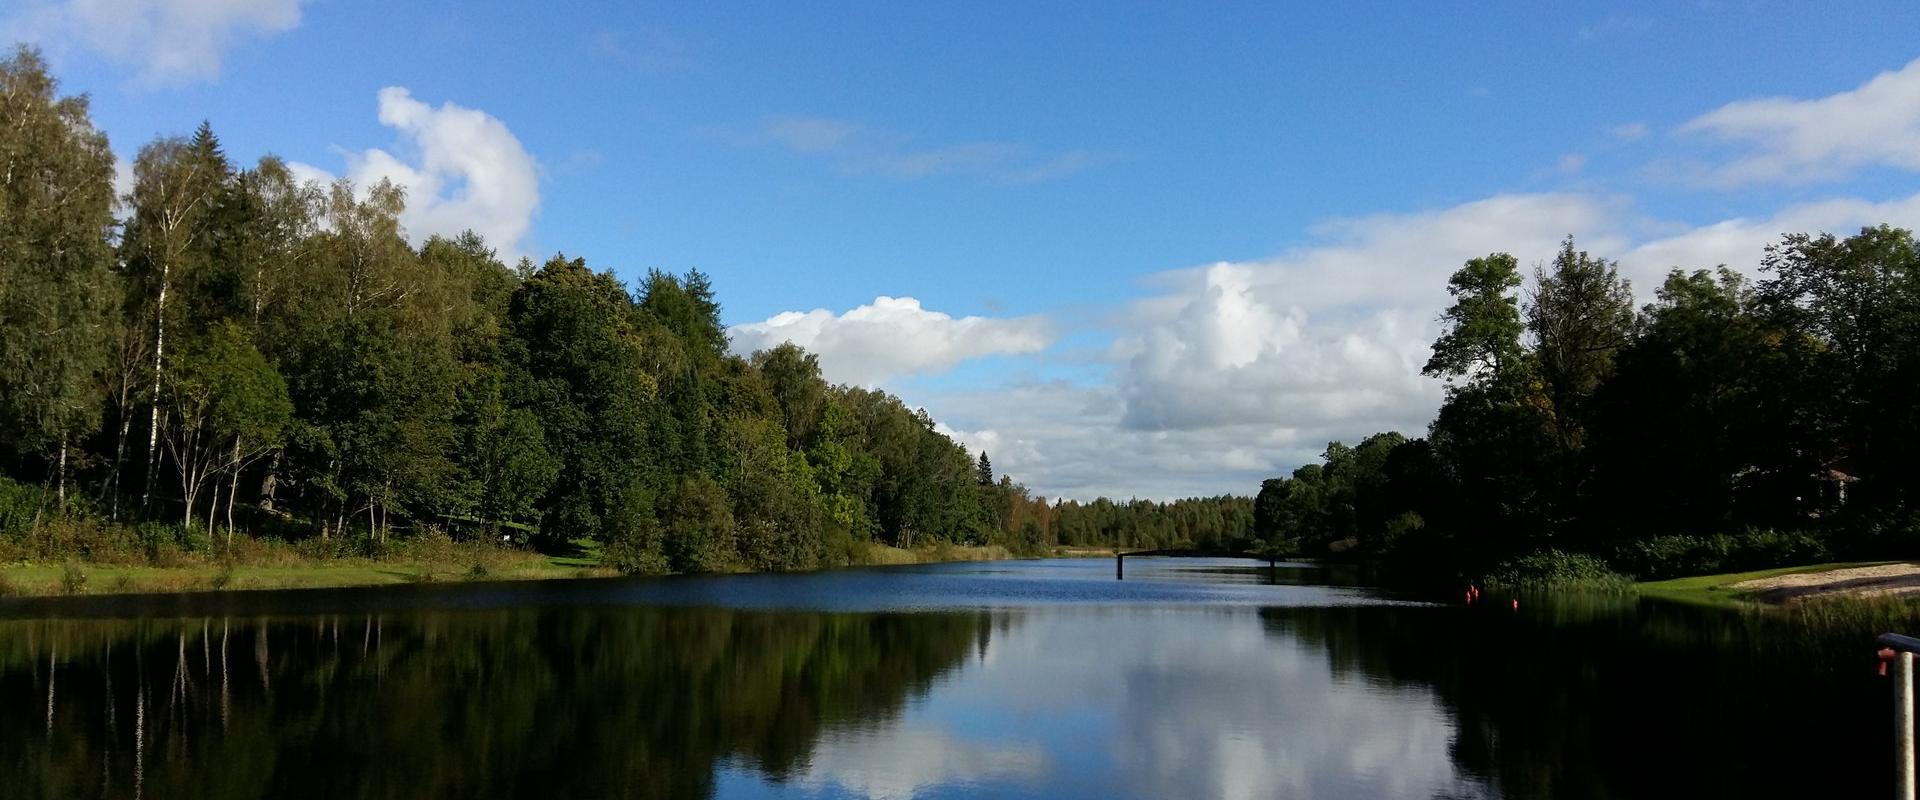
x=269 y=483
x=232 y=489
x=160 y=352
x=62 y=491
x=119 y=459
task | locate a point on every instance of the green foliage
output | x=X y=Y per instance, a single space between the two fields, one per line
x=1680 y=555
x=58 y=295
x=1555 y=569
x=635 y=545
x=283 y=352
x=1782 y=407
x=73 y=580
x=20 y=505
x=1483 y=324
x=698 y=527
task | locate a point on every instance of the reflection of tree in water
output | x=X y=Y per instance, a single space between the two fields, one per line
x=1615 y=698
x=634 y=702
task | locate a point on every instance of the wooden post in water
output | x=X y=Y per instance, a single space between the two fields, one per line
x=1119 y=566
x=1903 y=781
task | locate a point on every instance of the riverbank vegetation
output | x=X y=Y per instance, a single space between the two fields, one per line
x=1731 y=424
x=224 y=358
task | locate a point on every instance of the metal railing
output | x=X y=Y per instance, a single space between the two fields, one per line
x=1898 y=650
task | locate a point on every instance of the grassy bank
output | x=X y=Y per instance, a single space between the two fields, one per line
x=453 y=563
x=1718 y=590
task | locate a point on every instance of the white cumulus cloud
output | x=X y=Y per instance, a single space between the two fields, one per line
x=893 y=337
x=1238 y=371
x=1333 y=333
x=462 y=169
x=1738 y=242
x=1789 y=140
x=168 y=41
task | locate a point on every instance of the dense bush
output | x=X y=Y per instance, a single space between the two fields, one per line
x=19 y=503
x=1555 y=568
x=1680 y=555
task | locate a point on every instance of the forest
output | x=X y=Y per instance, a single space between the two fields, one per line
x=225 y=354
x=1732 y=423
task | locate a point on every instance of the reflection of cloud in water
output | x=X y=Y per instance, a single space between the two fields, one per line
x=898 y=763
x=1276 y=726
x=1147 y=702
x=1209 y=704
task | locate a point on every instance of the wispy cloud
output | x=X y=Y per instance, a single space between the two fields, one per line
x=1629 y=131
x=1796 y=141
x=861 y=149
x=168 y=41
x=648 y=48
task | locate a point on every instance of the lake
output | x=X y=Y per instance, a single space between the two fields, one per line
x=1191 y=678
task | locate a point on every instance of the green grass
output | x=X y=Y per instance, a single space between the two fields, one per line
x=586 y=554
x=52 y=578
x=47 y=579
x=1717 y=590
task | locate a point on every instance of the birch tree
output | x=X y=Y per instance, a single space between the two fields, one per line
x=228 y=408
x=177 y=185
x=56 y=286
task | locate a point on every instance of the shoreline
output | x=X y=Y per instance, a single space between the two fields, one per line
x=23 y=580
x=1783 y=586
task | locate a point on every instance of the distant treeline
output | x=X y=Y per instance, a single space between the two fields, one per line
x=1728 y=423
x=246 y=353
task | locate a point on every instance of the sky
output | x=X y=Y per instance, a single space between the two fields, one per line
x=1135 y=250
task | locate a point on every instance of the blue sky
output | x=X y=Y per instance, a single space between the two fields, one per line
x=1151 y=249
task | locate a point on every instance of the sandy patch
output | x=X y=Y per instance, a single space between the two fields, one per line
x=1883 y=580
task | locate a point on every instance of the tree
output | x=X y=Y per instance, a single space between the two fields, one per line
x=579 y=359
x=698 y=526
x=793 y=375
x=228 y=407
x=1686 y=410
x=57 y=313
x=1847 y=313
x=1580 y=314
x=1483 y=328
x=178 y=187
x=983 y=470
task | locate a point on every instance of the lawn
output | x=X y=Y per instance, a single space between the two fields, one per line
x=1717 y=590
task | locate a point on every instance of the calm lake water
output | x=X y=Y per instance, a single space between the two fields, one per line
x=1192 y=678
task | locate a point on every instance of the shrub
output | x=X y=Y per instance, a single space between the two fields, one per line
x=1555 y=568
x=314 y=548
x=698 y=526
x=432 y=546
x=1675 y=556
x=72 y=579
x=19 y=503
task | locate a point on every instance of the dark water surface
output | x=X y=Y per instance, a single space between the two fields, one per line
x=1042 y=679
